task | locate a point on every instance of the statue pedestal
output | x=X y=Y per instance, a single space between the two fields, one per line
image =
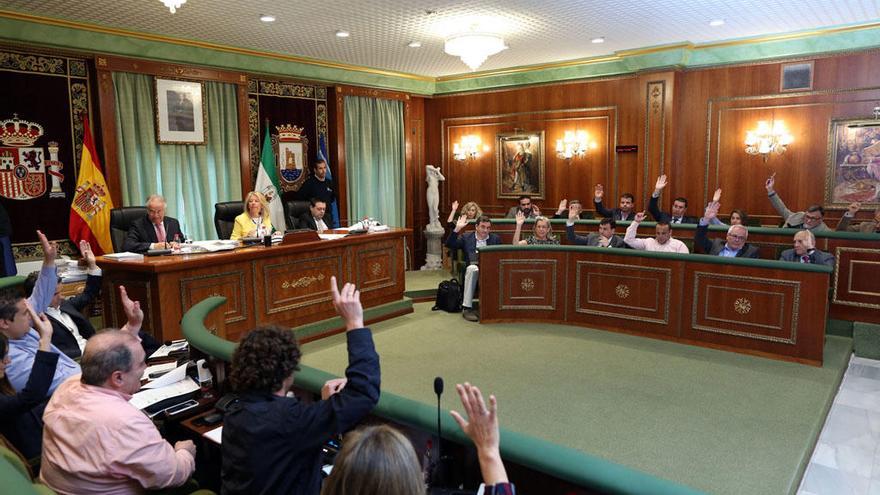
x=434 y=253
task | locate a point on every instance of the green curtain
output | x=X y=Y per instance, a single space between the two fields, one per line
x=191 y=177
x=374 y=159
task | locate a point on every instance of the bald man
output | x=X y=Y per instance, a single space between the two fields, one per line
x=805 y=251
x=94 y=440
x=154 y=230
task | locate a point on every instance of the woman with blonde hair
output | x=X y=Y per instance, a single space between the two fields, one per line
x=471 y=210
x=254 y=221
x=543 y=233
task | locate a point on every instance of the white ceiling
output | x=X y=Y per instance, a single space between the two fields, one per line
x=536 y=31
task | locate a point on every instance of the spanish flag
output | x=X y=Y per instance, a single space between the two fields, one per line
x=90 y=210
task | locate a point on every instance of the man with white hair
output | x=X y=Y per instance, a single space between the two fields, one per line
x=735 y=246
x=154 y=230
x=805 y=251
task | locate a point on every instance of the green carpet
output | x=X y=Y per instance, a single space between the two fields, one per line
x=716 y=421
x=423 y=283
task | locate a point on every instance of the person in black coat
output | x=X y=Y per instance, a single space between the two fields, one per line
x=625 y=211
x=314 y=218
x=470 y=242
x=21 y=414
x=735 y=246
x=679 y=206
x=805 y=251
x=147 y=232
x=321 y=187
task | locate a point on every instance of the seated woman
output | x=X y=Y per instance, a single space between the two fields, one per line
x=21 y=414
x=543 y=233
x=470 y=210
x=254 y=221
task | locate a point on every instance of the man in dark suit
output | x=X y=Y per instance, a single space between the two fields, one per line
x=470 y=243
x=319 y=186
x=866 y=227
x=805 y=251
x=734 y=247
x=154 y=231
x=314 y=219
x=679 y=206
x=529 y=209
x=604 y=238
x=625 y=211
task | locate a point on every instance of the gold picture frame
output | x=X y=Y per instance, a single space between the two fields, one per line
x=520 y=164
x=853 y=166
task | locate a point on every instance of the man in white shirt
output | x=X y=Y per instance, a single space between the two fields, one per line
x=662 y=241
x=314 y=219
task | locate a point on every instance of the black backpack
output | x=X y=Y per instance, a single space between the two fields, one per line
x=448 y=296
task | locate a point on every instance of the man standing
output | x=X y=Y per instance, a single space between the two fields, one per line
x=153 y=231
x=94 y=440
x=679 y=206
x=662 y=242
x=470 y=243
x=604 y=238
x=272 y=442
x=812 y=219
x=529 y=209
x=866 y=227
x=805 y=251
x=734 y=247
x=319 y=186
x=625 y=210
x=314 y=219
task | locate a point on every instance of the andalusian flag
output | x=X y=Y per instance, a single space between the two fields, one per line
x=269 y=185
x=90 y=209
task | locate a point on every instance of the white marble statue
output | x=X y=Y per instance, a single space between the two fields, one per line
x=433 y=178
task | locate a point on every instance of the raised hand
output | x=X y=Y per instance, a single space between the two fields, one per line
x=42 y=325
x=598 y=192
x=717 y=196
x=574 y=212
x=639 y=216
x=332 y=386
x=536 y=210
x=563 y=205
x=853 y=208
x=770 y=182
x=348 y=304
x=481 y=426
x=50 y=249
x=712 y=210
x=455 y=205
x=88 y=256
x=520 y=218
x=661 y=183
x=133 y=312
x=461 y=223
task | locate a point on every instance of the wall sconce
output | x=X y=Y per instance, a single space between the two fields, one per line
x=768 y=139
x=574 y=144
x=469 y=147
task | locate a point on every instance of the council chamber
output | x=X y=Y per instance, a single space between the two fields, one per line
x=651 y=235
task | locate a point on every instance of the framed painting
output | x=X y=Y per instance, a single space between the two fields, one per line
x=796 y=76
x=853 y=172
x=180 y=112
x=520 y=164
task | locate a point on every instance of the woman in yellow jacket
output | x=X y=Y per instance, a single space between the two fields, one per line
x=254 y=221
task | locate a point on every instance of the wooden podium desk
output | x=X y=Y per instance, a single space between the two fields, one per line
x=769 y=308
x=286 y=285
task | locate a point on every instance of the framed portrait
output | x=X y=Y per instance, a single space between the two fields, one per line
x=796 y=77
x=853 y=172
x=180 y=112
x=520 y=164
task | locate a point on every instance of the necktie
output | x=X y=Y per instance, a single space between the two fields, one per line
x=160 y=232
x=805 y=258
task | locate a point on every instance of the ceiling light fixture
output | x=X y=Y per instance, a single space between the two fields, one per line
x=415 y=44
x=600 y=39
x=173 y=5
x=474 y=48
x=267 y=18
x=342 y=34
x=716 y=22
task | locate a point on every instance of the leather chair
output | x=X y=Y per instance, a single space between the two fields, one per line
x=224 y=217
x=121 y=220
x=293 y=209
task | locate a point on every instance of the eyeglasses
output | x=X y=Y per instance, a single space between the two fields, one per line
x=813 y=218
x=737 y=237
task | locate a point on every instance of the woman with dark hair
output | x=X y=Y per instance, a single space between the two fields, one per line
x=21 y=414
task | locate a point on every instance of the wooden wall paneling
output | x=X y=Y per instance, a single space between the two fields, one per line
x=655 y=154
x=247 y=184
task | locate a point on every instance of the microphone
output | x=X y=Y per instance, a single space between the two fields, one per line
x=438 y=387
x=437 y=475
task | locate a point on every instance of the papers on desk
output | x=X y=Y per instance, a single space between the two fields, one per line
x=158 y=368
x=166 y=349
x=152 y=396
x=170 y=378
x=215 y=435
x=207 y=246
x=331 y=237
x=125 y=256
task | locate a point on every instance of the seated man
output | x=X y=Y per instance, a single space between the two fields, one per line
x=604 y=238
x=679 y=206
x=24 y=341
x=272 y=442
x=625 y=210
x=564 y=207
x=812 y=219
x=805 y=251
x=735 y=246
x=314 y=219
x=470 y=243
x=529 y=209
x=663 y=242
x=866 y=227
x=153 y=231
x=319 y=186
x=94 y=440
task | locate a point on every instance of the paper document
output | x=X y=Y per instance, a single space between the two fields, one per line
x=214 y=435
x=331 y=237
x=175 y=346
x=146 y=398
x=158 y=368
x=125 y=256
x=169 y=378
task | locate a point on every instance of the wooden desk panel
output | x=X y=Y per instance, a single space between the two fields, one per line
x=744 y=306
x=285 y=285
